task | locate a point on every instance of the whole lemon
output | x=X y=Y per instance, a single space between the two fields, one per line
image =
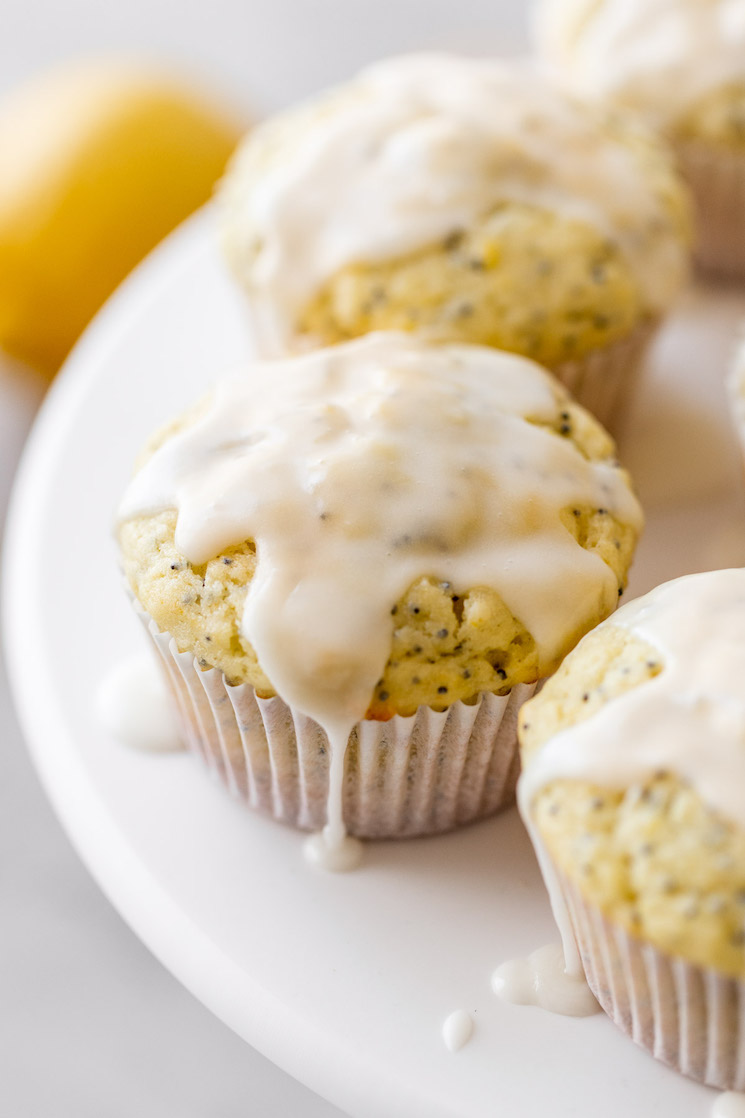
x=98 y=161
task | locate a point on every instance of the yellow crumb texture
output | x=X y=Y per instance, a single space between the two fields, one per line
x=448 y=643
x=524 y=280
x=653 y=858
x=98 y=162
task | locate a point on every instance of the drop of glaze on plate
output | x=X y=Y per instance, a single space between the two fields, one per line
x=133 y=705
x=457 y=1030
x=542 y=980
x=336 y=854
x=729 y=1105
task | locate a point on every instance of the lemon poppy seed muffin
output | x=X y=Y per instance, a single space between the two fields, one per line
x=465 y=199
x=680 y=65
x=374 y=552
x=633 y=787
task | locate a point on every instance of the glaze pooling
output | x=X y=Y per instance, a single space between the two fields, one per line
x=457 y=1030
x=729 y=1105
x=542 y=980
x=133 y=705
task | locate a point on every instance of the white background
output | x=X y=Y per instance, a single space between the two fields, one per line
x=90 y=1024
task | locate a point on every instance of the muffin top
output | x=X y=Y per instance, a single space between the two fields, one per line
x=679 y=62
x=634 y=774
x=383 y=493
x=417 y=150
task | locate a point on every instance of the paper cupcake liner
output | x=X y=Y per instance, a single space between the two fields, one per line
x=420 y=775
x=604 y=381
x=717 y=180
x=689 y=1017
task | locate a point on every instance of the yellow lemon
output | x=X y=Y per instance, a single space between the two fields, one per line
x=98 y=161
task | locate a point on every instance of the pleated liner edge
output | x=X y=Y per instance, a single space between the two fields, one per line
x=425 y=774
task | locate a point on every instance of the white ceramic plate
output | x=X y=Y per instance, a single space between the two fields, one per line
x=342 y=980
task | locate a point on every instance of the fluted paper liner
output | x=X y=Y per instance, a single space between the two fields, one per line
x=690 y=1017
x=419 y=775
x=717 y=180
x=604 y=381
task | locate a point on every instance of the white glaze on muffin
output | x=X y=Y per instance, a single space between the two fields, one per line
x=421 y=149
